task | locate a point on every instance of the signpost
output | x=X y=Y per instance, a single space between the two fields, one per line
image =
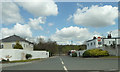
x=99 y=41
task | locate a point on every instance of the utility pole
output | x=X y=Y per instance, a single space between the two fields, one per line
x=116 y=46
x=71 y=42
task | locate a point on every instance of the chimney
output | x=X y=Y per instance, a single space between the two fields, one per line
x=109 y=36
x=94 y=37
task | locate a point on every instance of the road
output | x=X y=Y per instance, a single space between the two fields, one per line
x=67 y=64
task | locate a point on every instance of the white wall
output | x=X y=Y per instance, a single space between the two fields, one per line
x=20 y=54
x=80 y=53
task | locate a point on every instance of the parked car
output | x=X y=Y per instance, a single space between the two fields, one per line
x=71 y=52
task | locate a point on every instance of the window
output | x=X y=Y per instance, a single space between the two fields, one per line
x=114 y=42
x=94 y=43
x=2 y=46
x=91 y=44
x=13 y=45
x=88 y=44
x=24 y=45
x=109 y=42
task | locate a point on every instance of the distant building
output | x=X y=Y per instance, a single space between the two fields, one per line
x=9 y=43
x=109 y=41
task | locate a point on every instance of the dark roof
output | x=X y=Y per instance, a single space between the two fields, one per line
x=14 y=38
x=105 y=38
x=112 y=38
x=90 y=40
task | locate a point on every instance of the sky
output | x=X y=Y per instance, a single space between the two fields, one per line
x=62 y=22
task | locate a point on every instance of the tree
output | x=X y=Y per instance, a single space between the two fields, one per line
x=48 y=45
x=18 y=45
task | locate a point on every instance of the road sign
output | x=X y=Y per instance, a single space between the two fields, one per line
x=99 y=43
x=99 y=39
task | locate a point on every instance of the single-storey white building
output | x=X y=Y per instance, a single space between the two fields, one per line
x=9 y=43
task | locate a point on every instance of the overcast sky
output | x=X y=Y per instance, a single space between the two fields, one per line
x=61 y=21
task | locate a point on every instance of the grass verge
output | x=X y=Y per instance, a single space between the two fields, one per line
x=29 y=60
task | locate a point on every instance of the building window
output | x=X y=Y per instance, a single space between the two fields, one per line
x=94 y=43
x=88 y=44
x=24 y=45
x=91 y=44
x=2 y=46
x=114 y=43
x=13 y=45
x=109 y=42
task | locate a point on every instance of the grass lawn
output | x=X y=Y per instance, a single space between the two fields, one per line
x=24 y=60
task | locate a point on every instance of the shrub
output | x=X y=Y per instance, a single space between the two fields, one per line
x=18 y=45
x=50 y=54
x=28 y=56
x=3 y=60
x=69 y=52
x=95 y=53
x=74 y=54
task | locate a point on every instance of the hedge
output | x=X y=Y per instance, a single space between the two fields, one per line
x=95 y=53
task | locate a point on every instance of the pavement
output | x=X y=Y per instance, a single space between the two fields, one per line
x=14 y=64
x=67 y=64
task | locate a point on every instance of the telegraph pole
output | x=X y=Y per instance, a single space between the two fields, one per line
x=71 y=42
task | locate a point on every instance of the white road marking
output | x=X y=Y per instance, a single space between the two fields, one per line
x=62 y=62
x=65 y=68
x=61 y=59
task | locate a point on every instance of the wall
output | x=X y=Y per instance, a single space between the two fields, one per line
x=80 y=53
x=20 y=54
x=112 y=51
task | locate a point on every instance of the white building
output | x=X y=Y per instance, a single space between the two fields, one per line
x=7 y=49
x=9 y=43
x=93 y=43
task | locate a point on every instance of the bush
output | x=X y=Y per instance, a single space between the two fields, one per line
x=74 y=54
x=95 y=53
x=50 y=54
x=69 y=52
x=28 y=56
x=18 y=45
x=3 y=60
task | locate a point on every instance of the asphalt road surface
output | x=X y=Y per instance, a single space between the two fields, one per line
x=67 y=64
